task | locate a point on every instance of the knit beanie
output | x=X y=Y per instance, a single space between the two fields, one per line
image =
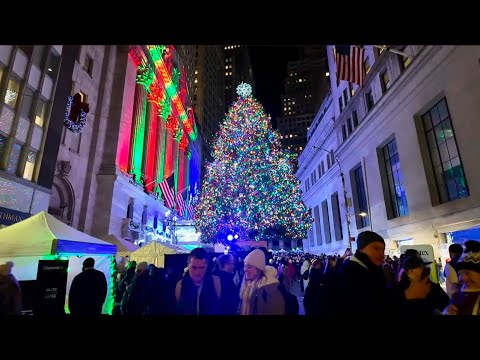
x=367 y=237
x=256 y=258
x=470 y=260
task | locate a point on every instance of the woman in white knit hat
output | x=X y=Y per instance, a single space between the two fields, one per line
x=259 y=293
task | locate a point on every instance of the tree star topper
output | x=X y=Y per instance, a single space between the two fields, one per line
x=244 y=90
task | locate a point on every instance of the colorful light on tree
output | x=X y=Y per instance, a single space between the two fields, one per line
x=249 y=188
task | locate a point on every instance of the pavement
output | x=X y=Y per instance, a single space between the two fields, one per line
x=298 y=293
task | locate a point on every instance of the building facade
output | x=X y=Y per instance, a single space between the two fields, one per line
x=306 y=85
x=28 y=82
x=405 y=143
x=209 y=94
x=140 y=129
x=238 y=69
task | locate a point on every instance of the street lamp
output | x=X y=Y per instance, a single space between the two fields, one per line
x=345 y=198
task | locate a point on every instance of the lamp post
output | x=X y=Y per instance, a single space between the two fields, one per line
x=345 y=198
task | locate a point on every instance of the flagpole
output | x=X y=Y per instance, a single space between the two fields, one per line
x=383 y=47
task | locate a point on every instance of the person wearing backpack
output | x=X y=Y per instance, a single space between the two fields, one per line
x=260 y=293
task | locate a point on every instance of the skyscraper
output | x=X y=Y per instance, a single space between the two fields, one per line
x=306 y=86
x=208 y=93
x=237 y=69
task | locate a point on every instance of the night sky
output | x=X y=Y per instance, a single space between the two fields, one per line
x=269 y=65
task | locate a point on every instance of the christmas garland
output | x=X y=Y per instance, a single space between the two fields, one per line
x=73 y=125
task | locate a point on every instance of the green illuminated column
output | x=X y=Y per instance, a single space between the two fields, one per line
x=144 y=80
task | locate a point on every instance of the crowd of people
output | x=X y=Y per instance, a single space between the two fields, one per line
x=363 y=283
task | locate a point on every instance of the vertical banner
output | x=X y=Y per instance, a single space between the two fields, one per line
x=51 y=287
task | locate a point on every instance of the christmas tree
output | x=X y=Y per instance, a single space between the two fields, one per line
x=250 y=191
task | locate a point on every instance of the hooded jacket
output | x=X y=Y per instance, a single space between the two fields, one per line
x=267 y=299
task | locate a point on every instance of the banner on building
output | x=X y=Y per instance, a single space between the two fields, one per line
x=9 y=216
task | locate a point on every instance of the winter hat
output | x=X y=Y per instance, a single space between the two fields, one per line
x=367 y=237
x=470 y=260
x=256 y=258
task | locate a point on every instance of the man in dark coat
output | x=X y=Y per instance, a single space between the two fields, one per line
x=230 y=297
x=88 y=291
x=363 y=284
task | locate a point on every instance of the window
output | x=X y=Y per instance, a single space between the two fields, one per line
x=1 y=74
x=366 y=65
x=337 y=222
x=385 y=81
x=13 y=88
x=359 y=196
x=318 y=230
x=320 y=174
x=41 y=112
x=39 y=56
x=352 y=90
x=13 y=160
x=445 y=159
x=27 y=101
x=307 y=183
x=326 y=222
x=75 y=140
x=340 y=104
x=349 y=126
x=3 y=144
x=27 y=49
x=329 y=162
x=88 y=67
x=345 y=96
x=369 y=100
x=53 y=64
x=29 y=165
x=398 y=198
x=344 y=133
x=404 y=61
x=355 y=118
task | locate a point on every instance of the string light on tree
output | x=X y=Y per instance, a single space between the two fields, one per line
x=249 y=188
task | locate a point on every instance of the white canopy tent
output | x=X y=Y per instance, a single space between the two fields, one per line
x=43 y=237
x=154 y=253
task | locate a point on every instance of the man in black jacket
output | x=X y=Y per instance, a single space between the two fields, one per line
x=88 y=291
x=229 y=298
x=362 y=283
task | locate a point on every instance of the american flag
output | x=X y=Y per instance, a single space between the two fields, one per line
x=181 y=206
x=167 y=190
x=190 y=206
x=349 y=60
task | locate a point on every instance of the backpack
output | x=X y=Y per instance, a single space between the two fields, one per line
x=291 y=301
x=305 y=274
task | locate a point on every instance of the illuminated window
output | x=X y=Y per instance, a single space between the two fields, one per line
x=29 y=165
x=327 y=74
x=40 y=113
x=230 y=73
x=226 y=73
x=196 y=72
x=195 y=81
x=366 y=65
x=226 y=67
x=11 y=95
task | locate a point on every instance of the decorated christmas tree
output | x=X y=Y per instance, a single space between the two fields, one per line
x=249 y=191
